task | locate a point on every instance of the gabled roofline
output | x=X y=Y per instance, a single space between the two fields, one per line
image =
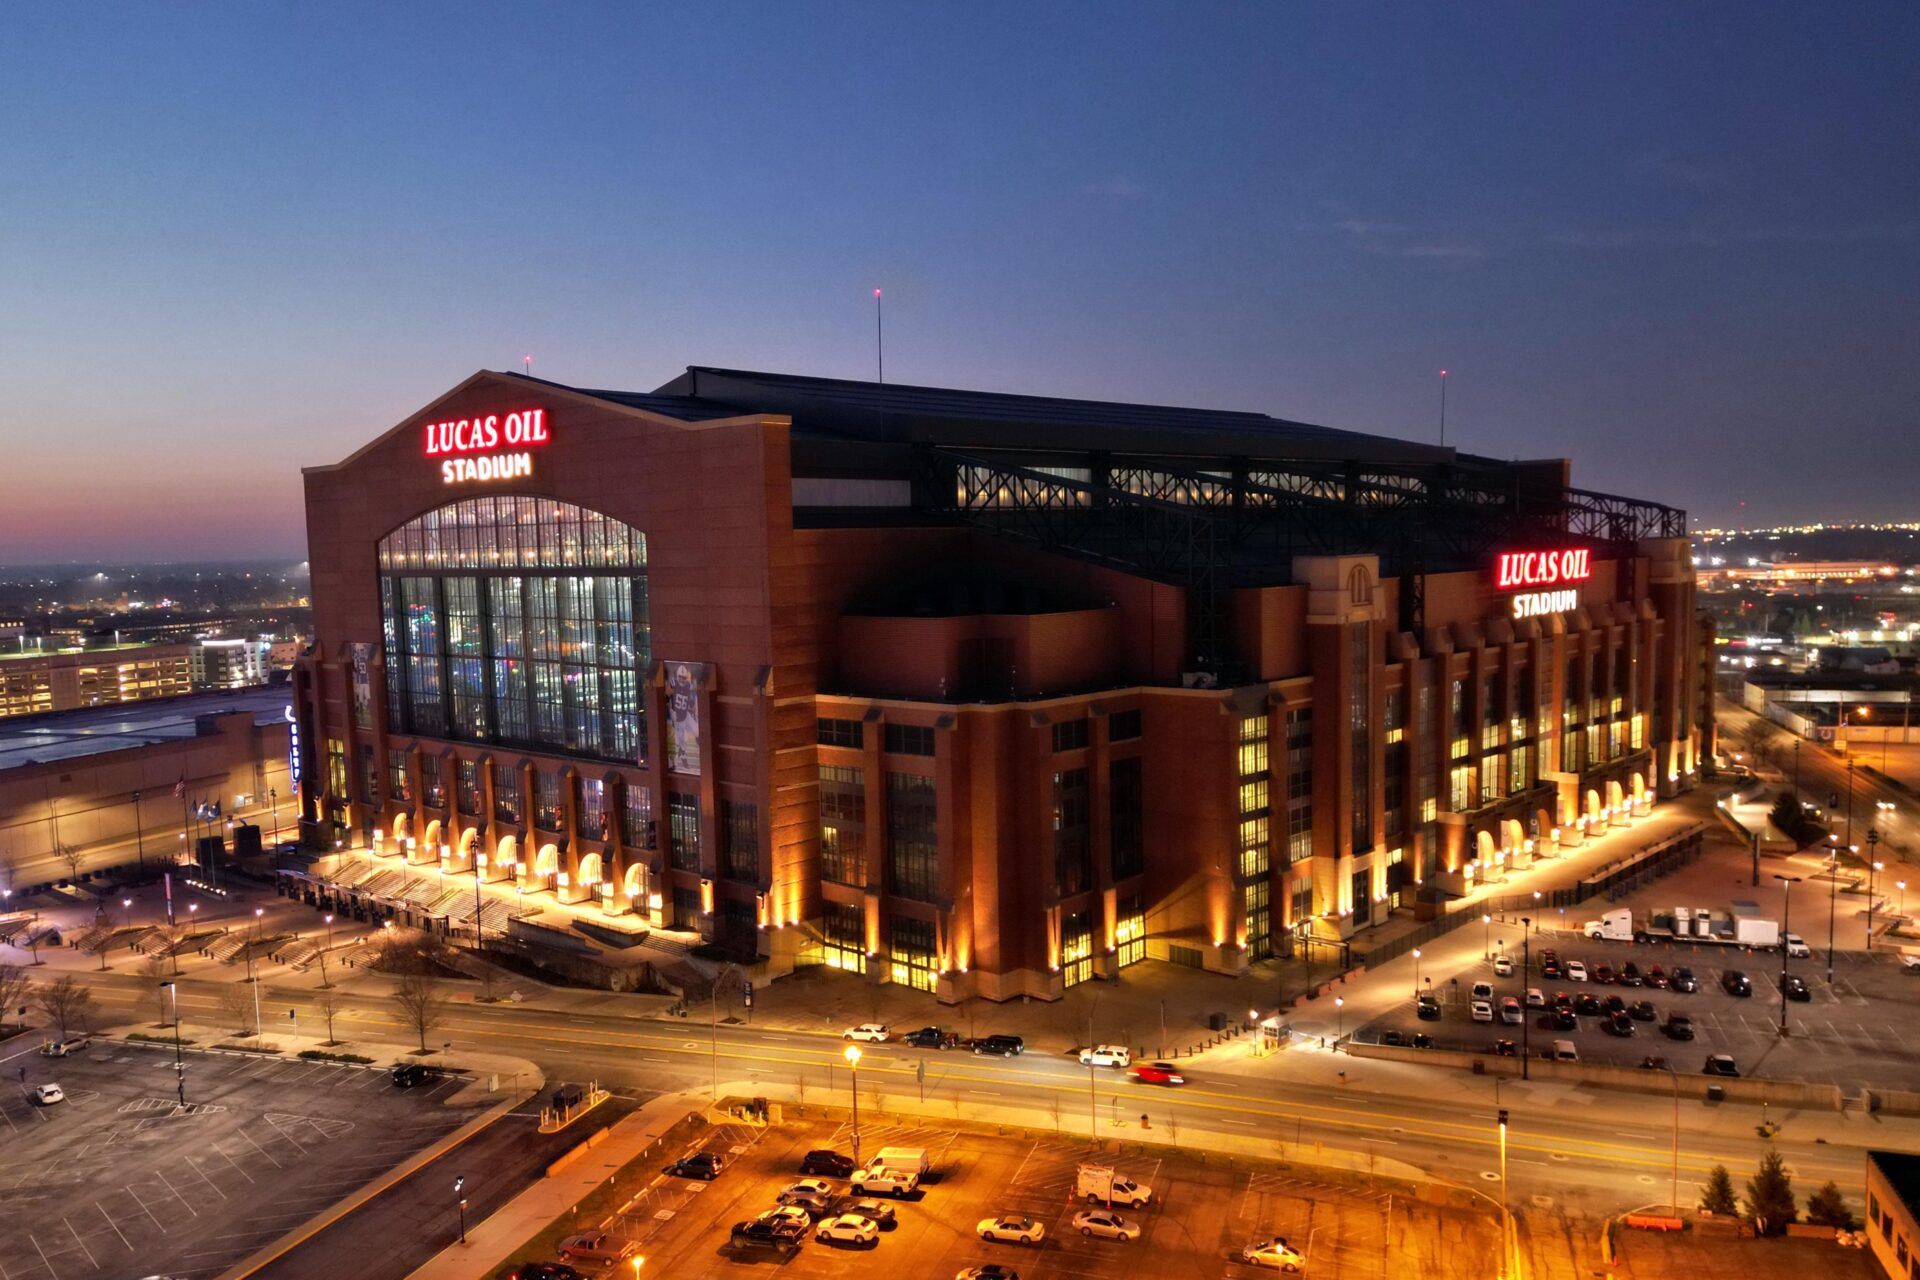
x=556 y=389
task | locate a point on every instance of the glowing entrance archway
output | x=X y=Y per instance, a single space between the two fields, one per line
x=432 y=837
x=546 y=866
x=507 y=855
x=402 y=828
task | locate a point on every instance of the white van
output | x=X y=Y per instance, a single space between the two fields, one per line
x=913 y=1159
x=1564 y=1051
x=1101 y=1185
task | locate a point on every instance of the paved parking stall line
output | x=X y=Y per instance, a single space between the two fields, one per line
x=82 y=1243
x=110 y=1222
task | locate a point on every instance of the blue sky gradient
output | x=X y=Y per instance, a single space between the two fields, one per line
x=1679 y=244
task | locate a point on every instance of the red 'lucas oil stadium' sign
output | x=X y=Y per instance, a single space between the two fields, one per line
x=502 y=443
x=1557 y=569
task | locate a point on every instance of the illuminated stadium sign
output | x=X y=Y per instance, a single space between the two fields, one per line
x=502 y=442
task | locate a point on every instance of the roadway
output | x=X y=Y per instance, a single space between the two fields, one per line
x=1584 y=1147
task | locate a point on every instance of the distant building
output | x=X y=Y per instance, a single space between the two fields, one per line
x=1893 y=1205
x=67 y=679
x=118 y=785
x=229 y=664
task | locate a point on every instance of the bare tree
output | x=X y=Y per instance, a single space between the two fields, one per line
x=421 y=1003
x=66 y=1001
x=236 y=1001
x=155 y=968
x=326 y=1003
x=800 y=1089
x=14 y=984
x=70 y=857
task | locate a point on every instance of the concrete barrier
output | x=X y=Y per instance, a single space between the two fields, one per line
x=580 y=1149
x=1744 y=1089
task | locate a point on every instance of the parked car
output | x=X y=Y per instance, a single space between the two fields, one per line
x=1618 y=1024
x=1276 y=1254
x=1481 y=991
x=868 y=1032
x=1603 y=973
x=1794 y=987
x=1588 y=1005
x=1393 y=1038
x=1721 y=1064
x=704 y=1165
x=1642 y=1011
x=849 y=1228
x=1910 y=963
x=599 y=1247
x=1653 y=1062
x=763 y=1234
x=1613 y=1004
x=408 y=1075
x=1736 y=983
x=1511 y=1013
x=1428 y=1008
x=45 y=1095
x=1503 y=966
x=1158 y=1073
x=1630 y=975
x=1012 y=1228
x=1536 y=998
x=1106 y=1224
x=1000 y=1046
x=932 y=1038
x=1796 y=946
x=1106 y=1055
x=1421 y=1040
x=879 y=1210
x=1576 y=971
x=1657 y=977
x=1683 y=979
x=826 y=1164
x=1505 y=1049
x=544 y=1271
x=1679 y=1027
x=1482 y=1010
x=1550 y=967
x=987 y=1271
x=1563 y=1051
x=1564 y=1019
x=811 y=1194
x=61 y=1048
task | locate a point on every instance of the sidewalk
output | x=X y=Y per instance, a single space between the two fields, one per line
x=493 y=1242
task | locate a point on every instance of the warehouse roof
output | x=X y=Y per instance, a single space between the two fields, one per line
x=70 y=735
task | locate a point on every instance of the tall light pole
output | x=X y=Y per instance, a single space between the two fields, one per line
x=1526 y=975
x=126 y=905
x=1486 y=936
x=1676 y=1139
x=1506 y=1213
x=1833 y=892
x=1416 y=975
x=1339 y=1021
x=1786 y=919
x=853 y=1074
x=273 y=800
x=1874 y=868
x=139 y=834
x=179 y=1066
x=458 y=1184
x=257 y=913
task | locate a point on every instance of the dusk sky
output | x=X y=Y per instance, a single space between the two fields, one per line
x=1678 y=243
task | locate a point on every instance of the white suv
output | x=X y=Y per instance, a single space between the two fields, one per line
x=1106 y=1055
x=871 y=1032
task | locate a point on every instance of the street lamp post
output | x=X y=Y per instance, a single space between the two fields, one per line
x=273 y=800
x=1486 y=936
x=139 y=834
x=853 y=1074
x=1506 y=1213
x=1833 y=893
x=126 y=905
x=1339 y=1021
x=179 y=1066
x=1526 y=973
x=1786 y=920
x=1416 y=974
x=257 y=913
x=458 y=1184
x=1671 y=1075
x=1873 y=869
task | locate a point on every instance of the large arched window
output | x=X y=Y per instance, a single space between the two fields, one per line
x=519 y=620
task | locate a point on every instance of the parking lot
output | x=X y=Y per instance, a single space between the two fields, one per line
x=1201 y=1214
x=1849 y=1033
x=118 y=1180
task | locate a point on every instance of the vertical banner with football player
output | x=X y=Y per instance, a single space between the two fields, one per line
x=682 y=701
x=362 y=684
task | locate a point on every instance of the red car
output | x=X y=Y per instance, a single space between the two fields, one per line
x=1157 y=1073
